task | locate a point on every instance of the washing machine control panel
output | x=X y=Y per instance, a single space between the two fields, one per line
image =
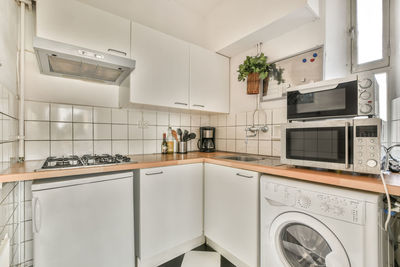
x=337 y=207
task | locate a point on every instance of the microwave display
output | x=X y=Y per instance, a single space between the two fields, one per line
x=367 y=131
x=324 y=144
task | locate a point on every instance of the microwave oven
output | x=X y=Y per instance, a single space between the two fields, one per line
x=343 y=144
x=350 y=97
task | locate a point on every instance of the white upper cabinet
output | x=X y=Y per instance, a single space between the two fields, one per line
x=209 y=80
x=78 y=24
x=161 y=77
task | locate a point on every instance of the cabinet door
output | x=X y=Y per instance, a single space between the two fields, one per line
x=161 y=76
x=171 y=207
x=209 y=80
x=231 y=211
x=82 y=25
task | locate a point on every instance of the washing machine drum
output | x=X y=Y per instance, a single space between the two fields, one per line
x=303 y=241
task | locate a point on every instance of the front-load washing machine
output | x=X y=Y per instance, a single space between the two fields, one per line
x=307 y=225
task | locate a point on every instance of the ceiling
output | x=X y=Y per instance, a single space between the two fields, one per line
x=200 y=7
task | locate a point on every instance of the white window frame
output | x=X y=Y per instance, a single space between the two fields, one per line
x=385 y=61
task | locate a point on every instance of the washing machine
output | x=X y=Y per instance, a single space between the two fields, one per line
x=307 y=225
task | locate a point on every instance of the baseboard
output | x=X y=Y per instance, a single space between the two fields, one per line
x=229 y=256
x=171 y=253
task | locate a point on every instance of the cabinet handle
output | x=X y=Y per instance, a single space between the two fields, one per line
x=154 y=173
x=245 y=176
x=197 y=105
x=36 y=215
x=180 y=103
x=117 y=51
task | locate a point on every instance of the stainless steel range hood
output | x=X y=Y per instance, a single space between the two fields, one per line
x=64 y=60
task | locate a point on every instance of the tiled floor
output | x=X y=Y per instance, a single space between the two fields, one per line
x=177 y=262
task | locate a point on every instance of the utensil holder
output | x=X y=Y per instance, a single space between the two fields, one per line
x=182 y=147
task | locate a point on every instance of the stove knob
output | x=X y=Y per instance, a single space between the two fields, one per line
x=365 y=95
x=324 y=207
x=337 y=210
x=372 y=163
x=365 y=83
x=365 y=108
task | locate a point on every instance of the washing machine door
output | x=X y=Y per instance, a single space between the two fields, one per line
x=301 y=240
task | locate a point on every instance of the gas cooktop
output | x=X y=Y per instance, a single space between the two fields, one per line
x=56 y=163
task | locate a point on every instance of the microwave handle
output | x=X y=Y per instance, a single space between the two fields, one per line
x=346 y=144
x=319 y=88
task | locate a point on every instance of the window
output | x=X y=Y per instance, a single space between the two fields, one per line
x=370 y=34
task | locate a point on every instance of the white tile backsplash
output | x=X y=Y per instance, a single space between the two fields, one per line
x=150 y=132
x=135 y=147
x=83 y=147
x=120 y=147
x=175 y=119
x=241 y=119
x=82 y=114
x=60 y=112
x=61 y=131
x=101 y=115
x=37 y=130
x=37 y=111
x=135 y=116
x=163 y=118
x=102 y=131
x=35 y=150
x=102 y=147
x=61 y=148
x=119 y=131
x=185 y=120
x=119 y=116
x=150 y=117
x=83 y=131
x=135 y=132
x=149 y=146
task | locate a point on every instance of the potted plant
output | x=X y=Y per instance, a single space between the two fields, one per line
x=256 y=69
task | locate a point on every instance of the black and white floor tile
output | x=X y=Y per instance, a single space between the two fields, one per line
x=202 y=256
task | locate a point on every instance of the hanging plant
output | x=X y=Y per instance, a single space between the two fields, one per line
x=256 y=69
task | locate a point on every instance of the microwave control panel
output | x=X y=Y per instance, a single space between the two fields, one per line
x=367 y=146
x=367 y=105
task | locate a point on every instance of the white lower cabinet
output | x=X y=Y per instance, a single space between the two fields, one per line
x=169 y=206
x=231 y=219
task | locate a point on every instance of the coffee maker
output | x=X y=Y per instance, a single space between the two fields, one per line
x=206 y=142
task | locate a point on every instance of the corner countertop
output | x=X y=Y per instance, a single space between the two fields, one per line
x=26 y=171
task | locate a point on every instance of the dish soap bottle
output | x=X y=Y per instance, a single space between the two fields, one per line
x=164 y=145
x=170 y=141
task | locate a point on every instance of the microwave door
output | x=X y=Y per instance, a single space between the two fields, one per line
x=331 y=102
x=329 y=146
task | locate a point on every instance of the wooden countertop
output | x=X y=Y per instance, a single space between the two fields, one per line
x=26 y=171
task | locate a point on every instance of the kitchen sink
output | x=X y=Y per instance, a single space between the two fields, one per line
x=243 y=158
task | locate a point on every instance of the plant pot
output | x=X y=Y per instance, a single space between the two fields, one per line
x=253 y=84
x=265 y=85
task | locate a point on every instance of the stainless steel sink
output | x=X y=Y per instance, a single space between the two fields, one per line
x=243 y=158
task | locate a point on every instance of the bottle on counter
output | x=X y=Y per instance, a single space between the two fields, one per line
x=164 y=145
x=170 y=141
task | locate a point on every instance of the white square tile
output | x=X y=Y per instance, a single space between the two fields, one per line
x=150 y=117
x=231 y=119
x=135 y=147
x=150 y=132
x=82 y=114
x=279 y=116
x=101 y=115
x=241 y=119
x=163 y=118
x=102 y=147
x=36 y=150
x=61 y=131
x=231 y=132
x=83 y=131
x=250 y=120
x=276 y=148
x=195 y=120
x=265 y=117
x=276 y=132
x=149 y=146
x=102 y=131
x=240 y=146
x=6 y=127
x=252 y=147
x=160 y=131
x=37 y=111
x=119 y=116
x=175 y=119
x=222 y=120
x=60 y=148
x=265 y=148
x=214 y=120
x=205 y=120
x=135 y=132
x=221 y=132
x=135 y=116
x=59 y=112
x=230 y=145
x=37 y=130
x=267 y=135
x=119 y=131
x=83 y=147
x=4 y=101
x=240 y=132
x=185 y=119
x=221 y=144
x=120 y=147
x=158 y=146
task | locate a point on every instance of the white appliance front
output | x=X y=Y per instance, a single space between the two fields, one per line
x=84 y=222
x=306 y=224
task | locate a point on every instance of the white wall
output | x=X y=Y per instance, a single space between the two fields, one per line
x=47 y=88
x=300 y=39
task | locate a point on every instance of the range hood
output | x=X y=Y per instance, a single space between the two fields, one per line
x=64 y=60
